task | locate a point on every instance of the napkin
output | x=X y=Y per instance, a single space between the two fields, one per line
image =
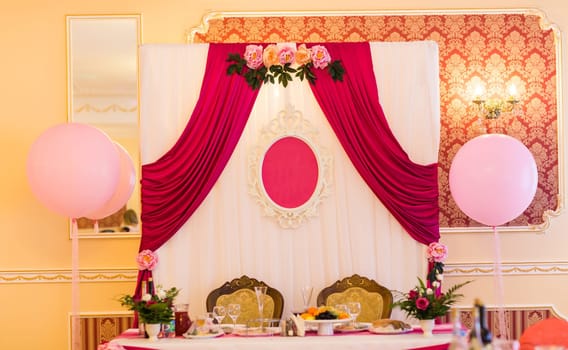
x=300 y=325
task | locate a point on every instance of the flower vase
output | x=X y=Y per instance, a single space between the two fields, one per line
x=427 y=327
x=153 y=329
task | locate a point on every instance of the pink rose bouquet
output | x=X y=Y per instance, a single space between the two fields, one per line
x=426 y=302
x=152 y=308
x=423 y=304
x=281 y=62
x=146 y=260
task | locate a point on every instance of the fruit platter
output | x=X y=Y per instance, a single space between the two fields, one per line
x=324 y=318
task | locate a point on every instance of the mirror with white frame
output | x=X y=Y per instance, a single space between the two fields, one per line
x=102 y=73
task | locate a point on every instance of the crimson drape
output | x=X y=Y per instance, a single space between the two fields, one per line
x=174 y=186
x=408 y=190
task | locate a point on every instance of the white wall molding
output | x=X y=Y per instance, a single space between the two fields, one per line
x=64 y=276
x=507 y=268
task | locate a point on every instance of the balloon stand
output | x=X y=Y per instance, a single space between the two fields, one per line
x=102 y=171
x=75 y=317
x=500 y=289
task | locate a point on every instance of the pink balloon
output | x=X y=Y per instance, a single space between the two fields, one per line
x=124 y=188
x=73 y=169
x=493 y=178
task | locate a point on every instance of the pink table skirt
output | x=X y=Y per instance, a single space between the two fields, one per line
x=133 y=334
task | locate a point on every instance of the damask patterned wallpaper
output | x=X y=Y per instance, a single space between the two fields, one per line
x=491 y=50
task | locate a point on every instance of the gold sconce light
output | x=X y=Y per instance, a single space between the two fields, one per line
x=493 y=108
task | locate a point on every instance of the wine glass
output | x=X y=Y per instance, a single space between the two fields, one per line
x=307 y=295
x=234 y=310
x=354 y=308
x=342 y=308
x=219 y=313
x=260 y=292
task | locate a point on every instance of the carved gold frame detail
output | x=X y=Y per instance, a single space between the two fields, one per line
x=289 y=122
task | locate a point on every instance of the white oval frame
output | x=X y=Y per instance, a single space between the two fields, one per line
x=289 y=123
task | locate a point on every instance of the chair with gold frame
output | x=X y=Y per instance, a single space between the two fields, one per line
x=376 y=300
x=241 y=291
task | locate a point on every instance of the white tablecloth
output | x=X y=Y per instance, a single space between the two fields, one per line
x=351 y=342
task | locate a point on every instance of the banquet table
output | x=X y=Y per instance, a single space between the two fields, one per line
x=130 y=340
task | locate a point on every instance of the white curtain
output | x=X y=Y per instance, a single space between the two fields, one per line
x=228 y=236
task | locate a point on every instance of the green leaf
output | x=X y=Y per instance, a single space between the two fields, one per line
x=288 y=68
x=336 y=70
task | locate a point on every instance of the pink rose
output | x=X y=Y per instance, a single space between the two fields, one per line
x=286 y=55
x=253 y=56
x=412 y=294
x=422 y=303
x=303 y=55
x=270 y=55
x=147 y=260
x=320 y=56
x=437 y=252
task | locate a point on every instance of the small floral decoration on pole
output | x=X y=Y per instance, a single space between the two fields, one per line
x=423 y=302
x=437 y=254
x=146 y=260
x=279 y=62
x=156 y=308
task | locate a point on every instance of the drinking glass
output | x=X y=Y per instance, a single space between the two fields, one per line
x=260 y=292
x=354 y=308
x=234 y=310
x=202 y=322
x=342 y=308
x=219 y=313
x=307 y=295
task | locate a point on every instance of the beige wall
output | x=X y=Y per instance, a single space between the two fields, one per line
x=36 y=241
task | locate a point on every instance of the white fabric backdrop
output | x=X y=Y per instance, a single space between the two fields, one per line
x=228 y=236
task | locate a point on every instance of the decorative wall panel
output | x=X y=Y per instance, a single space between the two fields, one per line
x=100 y=329
x=517 y=319
x=485 y=47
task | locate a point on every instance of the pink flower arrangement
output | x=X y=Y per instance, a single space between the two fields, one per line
x=279 y=62
x=423 y=304
x=152 y=308
x=437 y=254
x=146 y=260
x=428 y=302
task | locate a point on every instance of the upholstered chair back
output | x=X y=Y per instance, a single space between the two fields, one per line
x=241 y=291
x=376 y=300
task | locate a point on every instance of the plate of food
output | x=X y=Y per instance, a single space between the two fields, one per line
x=257 y=331
x=350 y=328
x=388 y=326
x=204 y=335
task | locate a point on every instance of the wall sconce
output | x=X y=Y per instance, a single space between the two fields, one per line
x=492 y=108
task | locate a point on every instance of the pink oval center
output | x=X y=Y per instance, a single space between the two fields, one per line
x=290 y=172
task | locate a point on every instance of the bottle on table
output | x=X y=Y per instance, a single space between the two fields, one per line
x=483 y=334
x=141 y=328
x=150 y=286
x=475 y=342
x=458 y=341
